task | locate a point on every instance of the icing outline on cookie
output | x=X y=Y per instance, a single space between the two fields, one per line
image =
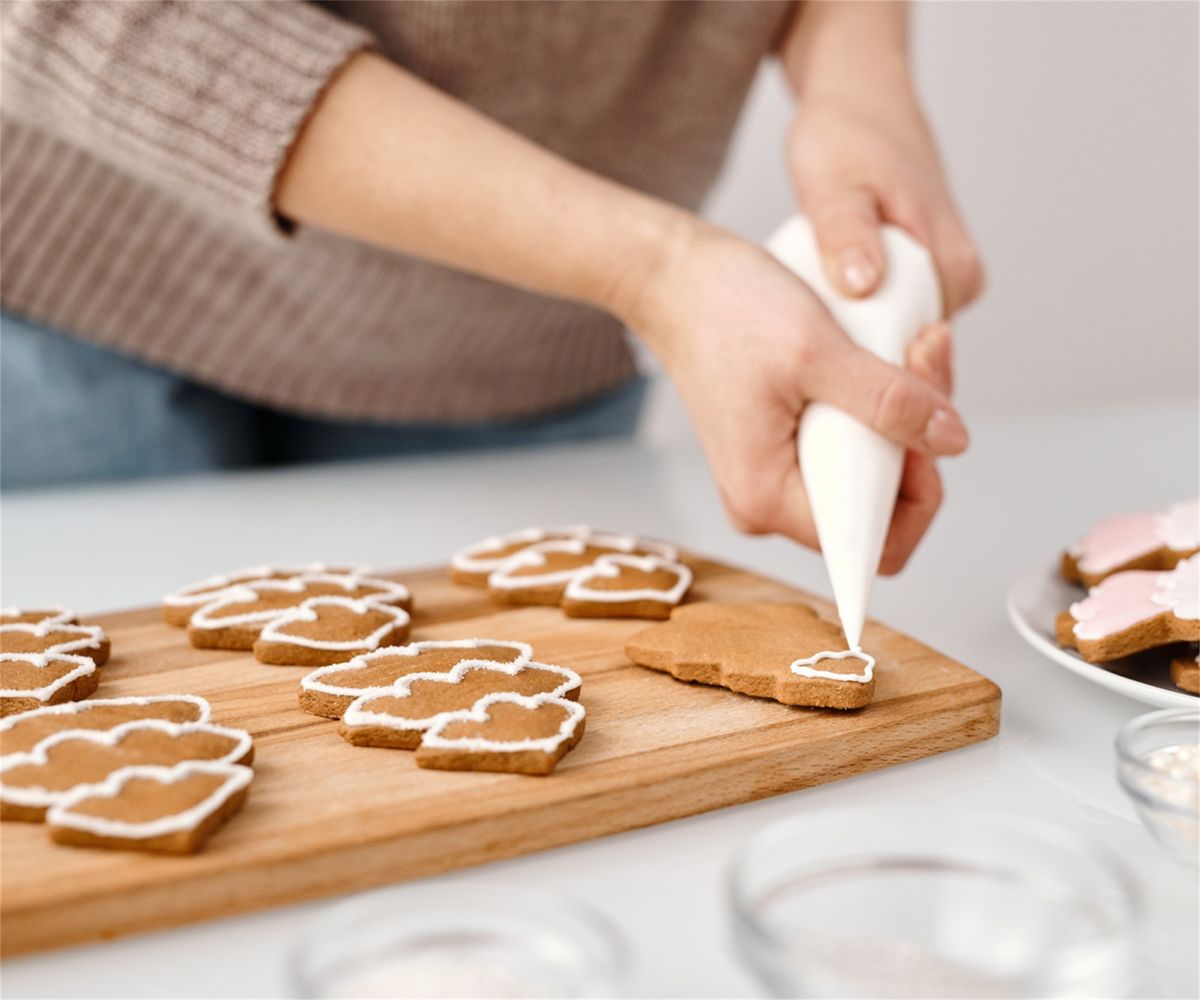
x=388 y=592
x=36 y=796
x=502 y=579
x=473 y=559
x=608 y=566
x=91 y=637
x=56 y=613
x=357 y=715
x=210 y=589
x=237 y=777
x=305 y=612
x=479 y=713
x=805 y=667
x=83 y=667
x=314 y=681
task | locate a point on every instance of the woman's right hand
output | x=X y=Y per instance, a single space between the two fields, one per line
x=748 y=345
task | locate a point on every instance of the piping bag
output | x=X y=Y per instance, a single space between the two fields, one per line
x=851 y=473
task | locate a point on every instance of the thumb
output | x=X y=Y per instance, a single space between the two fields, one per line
x=846 y=223
x=892 y=401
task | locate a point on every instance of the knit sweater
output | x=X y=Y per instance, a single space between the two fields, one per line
x=142 y=142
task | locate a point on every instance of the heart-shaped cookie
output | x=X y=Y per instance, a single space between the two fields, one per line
x=329 y=691
x=28 y=681
x=504 y=732
x=785 y=652
x=399 y=717
x=626 y=586
x=179 y=606
x=43 y=640
x=57 y=615
x=325 y=630
x=473 y=565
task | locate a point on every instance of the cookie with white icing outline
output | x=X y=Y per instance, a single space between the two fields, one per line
x=29 y=681
x=1185 y=673
x=1147 y=540
x=34 y=781
x=331 y=629
x=473 y=565
x=329 y=691
x=627 y=586
x=36 y=616
x=146 y=808
x=236 y=620
x=179 y=605
x=22 y=732
x=504 y=732
x=1133 y=611
x=398 y=717
x=785 y=652
x=49 y=637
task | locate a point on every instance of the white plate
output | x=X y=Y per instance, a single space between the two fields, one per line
x=1033 y=605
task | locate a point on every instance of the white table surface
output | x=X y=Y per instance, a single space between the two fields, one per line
x=1029 y=483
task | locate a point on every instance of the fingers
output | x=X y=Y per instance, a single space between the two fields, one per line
x=846 y=222
x=918 y=502
x=958 y=264
x=931 y=355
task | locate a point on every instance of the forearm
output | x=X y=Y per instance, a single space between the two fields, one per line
x=835 y=46
x=391 y=160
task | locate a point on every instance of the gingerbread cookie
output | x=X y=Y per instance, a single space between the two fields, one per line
x=43 y=640
x=325 y=630
x=145 y=808
x=236 y=620
x=398 y=717
x=473 y=565
x=329 y=691
x=626 y=586
x=32 y=782
x=21 y=733
x=179 y=606
x=1133 y=611
x=1185 y=672
x=781 y=651
x=37 y=616
x=31 y=680
x=504 y=732
x=1142 y=541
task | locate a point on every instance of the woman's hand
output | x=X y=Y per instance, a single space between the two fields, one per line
x=748 y=344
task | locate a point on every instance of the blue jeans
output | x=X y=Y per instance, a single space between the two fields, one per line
x=71 y=412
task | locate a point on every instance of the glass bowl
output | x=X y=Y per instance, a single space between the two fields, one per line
x=1158 y=766
x=937 y=903
x=448 y=940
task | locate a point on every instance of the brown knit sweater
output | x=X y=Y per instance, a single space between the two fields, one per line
x=142 y=140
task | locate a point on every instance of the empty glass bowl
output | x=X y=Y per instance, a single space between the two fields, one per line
x=937 y=903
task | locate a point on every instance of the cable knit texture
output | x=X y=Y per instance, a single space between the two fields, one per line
x=142 y=141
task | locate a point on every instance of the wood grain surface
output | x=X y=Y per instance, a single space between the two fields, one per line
x=326 y=817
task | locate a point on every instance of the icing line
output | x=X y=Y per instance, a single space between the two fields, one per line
x=387 y=591
x=805 y=667
x=206 y=590
x=575 y=712
x=502 y=579
x=609 y=566
x=83 y=666
x=54 y=613
x=473 y=559
x=306 y=612
x=91 y=638
x=80 y=707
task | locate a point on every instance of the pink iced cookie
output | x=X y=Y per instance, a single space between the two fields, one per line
x=1142 y=541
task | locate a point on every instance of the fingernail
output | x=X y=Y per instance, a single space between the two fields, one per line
x=858 y=273
x=945 y=433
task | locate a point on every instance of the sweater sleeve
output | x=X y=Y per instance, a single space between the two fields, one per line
x=204 y=99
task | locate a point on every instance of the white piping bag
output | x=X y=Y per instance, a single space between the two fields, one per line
x=851 y=473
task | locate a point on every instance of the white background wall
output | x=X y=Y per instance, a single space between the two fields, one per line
x=1070 y=130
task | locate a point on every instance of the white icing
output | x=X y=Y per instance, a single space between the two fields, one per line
x=479 y=713
x=610 y=567
x=1179 y=589
x=316 y=681
x=89 y=637
x=55 y=613
x=214 y=587
x=1179 y=526
x=236 y=777
x=307 y=611
x=209 y=616
x=358 y=715
x=502 y=577
x=81 y=707
x=806 y=667
x=83 y=666
x=476 y=559
x=36 y=796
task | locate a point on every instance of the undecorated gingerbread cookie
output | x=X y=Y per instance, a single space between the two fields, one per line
x=627 y=586
x=179 y=606
x=504 y=732
x=236 y=620
x=34 y=781
x=398 y=717
x=473 y=565
x=1133 y=611
x=329 y=691
x=1142 y=541
x=324 y=630
x=170 y=810
x=785 y=652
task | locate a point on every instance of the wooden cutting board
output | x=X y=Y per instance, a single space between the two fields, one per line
x=325 y=817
